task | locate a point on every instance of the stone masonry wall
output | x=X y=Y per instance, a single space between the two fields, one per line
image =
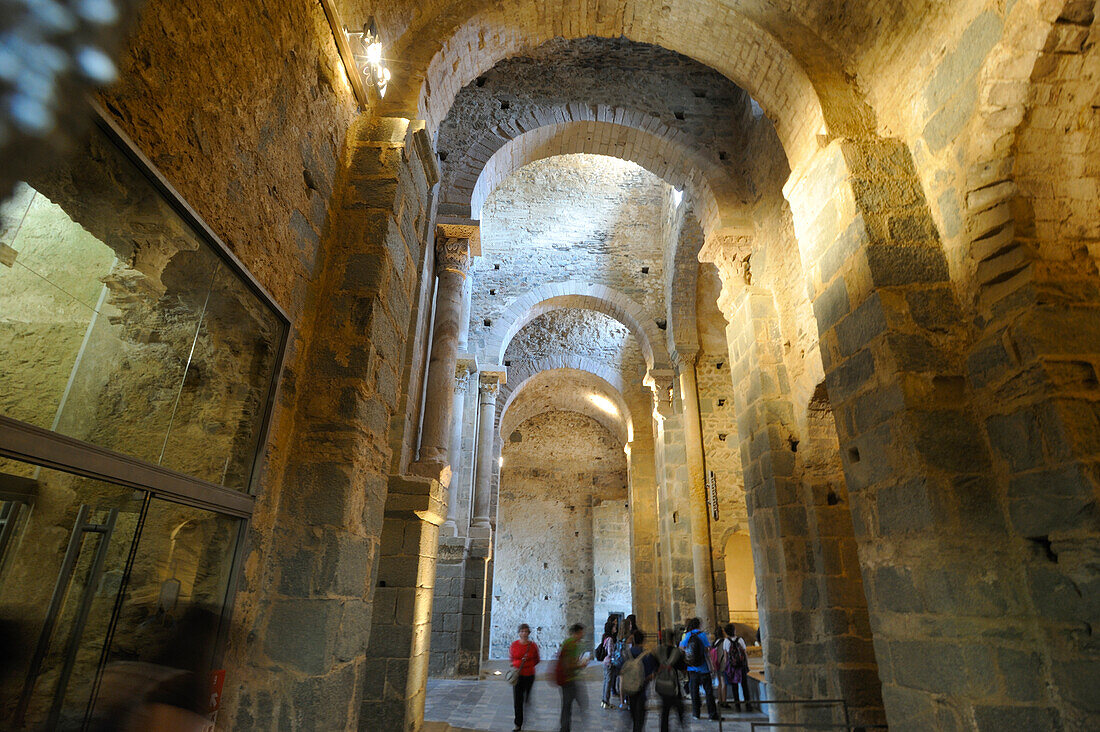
x=610 y=561
x=572 y=217
x=543 y=570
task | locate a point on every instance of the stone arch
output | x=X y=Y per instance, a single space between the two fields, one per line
x=740 y=578
x=987 y=257
x=682 y=268
x=625 y=134
x=583 y=295
x=579 y=373
x=796 y=77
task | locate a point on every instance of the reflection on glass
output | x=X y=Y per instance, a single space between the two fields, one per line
x=121 y=326
x=216 y=425
x=60 y=572
x=173 y=602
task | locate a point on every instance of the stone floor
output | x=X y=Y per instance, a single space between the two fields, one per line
x=469 y=704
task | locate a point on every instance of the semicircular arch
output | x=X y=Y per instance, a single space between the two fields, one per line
x=572 y=386
x=663 y=152
x=797 y=79
x=584 y=296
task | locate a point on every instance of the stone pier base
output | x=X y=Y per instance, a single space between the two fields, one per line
x=397 y=657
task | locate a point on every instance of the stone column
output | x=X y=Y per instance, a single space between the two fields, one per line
x=453 y=253
x=465 y=366
x=483 y=480
x=700 y=520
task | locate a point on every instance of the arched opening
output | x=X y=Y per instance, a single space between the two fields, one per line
x=741 y=582
x=563 y=532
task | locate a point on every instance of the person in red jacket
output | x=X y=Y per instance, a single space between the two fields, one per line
x=525 y=656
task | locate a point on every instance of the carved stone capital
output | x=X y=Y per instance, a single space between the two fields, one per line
x=452 y=255
x=685 y=357
x=490 y=382
x=462 y=379
x=661 y=382
x=464 y=367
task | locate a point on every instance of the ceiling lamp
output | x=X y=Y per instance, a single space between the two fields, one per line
x=367 y=49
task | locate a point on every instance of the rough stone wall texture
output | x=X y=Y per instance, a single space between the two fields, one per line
x=723 y=458
x=543 y=573
x=674 y=521
x=262 y=174
x=584 y=333
x=917 y=464
x=643 y=513
x=610 y=561
x=327 y=536
x=1038 y=315
x=575 y=217
x=698 y=107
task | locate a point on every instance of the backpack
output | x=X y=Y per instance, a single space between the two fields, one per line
x=632 y=677
x=618 y=657
x=667 y=682
x=601 y=650
x=696 y=652
x=736 y=657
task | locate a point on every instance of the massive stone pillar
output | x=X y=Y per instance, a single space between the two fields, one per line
x=700 y=518
x=812 y=610
x=928 y=512
x=397 y=658
x=465 y=366
x=314 y=581
x=491 y=380
x=455 y=244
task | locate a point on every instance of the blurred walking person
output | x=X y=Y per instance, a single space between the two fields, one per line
x=525 y=657
x=637 y=672
x=670 y=667
x=566 y=673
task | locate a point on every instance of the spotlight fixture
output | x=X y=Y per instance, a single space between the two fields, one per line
x=367 y=50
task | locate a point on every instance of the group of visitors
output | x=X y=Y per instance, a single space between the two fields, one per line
x=680 y=663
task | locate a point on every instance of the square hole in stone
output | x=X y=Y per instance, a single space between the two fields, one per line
x=488 y=323
x=645 y=270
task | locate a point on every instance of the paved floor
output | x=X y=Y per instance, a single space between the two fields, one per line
x=487 y=705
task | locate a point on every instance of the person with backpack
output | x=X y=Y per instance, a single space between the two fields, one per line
x=566 y=672
x=619 y=656
x=637 y=672
x=666 y=682
x=718 y=663
x=736 y=667
x=525 y=657
x=695 y=645
x=604 y=654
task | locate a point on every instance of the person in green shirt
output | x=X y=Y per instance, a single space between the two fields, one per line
x=571 y=662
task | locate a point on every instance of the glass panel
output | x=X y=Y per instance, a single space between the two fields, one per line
x=103 y=335
x=173 y=602
x=216 y=427
x=60 y=576
x=48 y=300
